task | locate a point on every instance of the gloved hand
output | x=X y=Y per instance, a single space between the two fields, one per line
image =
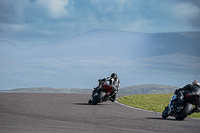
x=101 y=80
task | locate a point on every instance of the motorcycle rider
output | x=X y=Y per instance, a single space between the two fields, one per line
x=193 y=88
x=113 y=82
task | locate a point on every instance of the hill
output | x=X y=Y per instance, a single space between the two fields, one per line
x=132 y=90
x=126 y=45
x=50 y=90
x=148 y=89
x=79 y=61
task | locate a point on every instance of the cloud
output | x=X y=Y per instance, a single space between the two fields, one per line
x=57 y=9
x=52 y=19
x=185 y=12
x=142 y=16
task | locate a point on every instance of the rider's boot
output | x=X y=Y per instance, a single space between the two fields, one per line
x=196 y=109
x=113 y=98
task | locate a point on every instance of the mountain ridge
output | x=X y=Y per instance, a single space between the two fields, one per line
x=79 y=61
x=130 y=90
x=120 y=42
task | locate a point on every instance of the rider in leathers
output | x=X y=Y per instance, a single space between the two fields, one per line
x=193 y=88
x=114 y=83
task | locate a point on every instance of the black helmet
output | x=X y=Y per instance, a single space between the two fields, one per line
x=113 y=75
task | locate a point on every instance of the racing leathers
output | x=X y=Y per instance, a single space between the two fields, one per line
x=189 y=88
x=114 y=83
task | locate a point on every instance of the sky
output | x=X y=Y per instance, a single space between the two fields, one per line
x=29 y=22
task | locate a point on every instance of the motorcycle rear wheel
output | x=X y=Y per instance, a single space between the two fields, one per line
x=185 y=112
x=98 y=98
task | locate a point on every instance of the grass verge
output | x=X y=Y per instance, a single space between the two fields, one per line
x=152 y=102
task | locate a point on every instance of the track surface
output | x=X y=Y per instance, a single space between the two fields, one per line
x=70 y=113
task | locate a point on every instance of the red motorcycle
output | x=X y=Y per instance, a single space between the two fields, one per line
x=101 y=93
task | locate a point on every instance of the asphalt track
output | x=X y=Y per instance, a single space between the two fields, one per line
x=70 y=113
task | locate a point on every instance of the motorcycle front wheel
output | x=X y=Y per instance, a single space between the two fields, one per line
x=185 y=112
x=97 y=99
x=165 y=113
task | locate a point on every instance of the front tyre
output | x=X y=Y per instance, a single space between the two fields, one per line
x=165 y=113
x=185 y=112
x=90 y=101
x=98 y=98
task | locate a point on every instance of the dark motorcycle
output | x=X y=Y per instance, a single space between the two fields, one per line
x=180 y=110
x=101 y=93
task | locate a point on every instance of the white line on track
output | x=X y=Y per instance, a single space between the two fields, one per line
x=136 y=108
x=146 y=110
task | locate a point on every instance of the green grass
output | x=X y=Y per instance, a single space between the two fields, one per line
x=152 y=102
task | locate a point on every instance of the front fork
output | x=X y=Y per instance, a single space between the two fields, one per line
x=94 y=93
x=173 y=109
